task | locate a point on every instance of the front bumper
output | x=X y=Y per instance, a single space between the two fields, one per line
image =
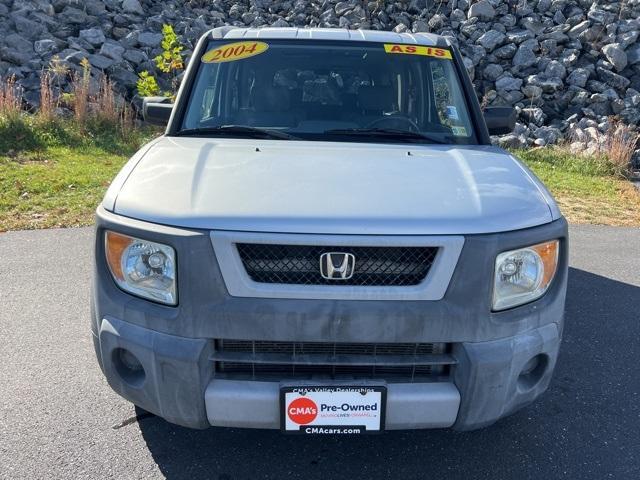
x=175 y=345
x=179 y=383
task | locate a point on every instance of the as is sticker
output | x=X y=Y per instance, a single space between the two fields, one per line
x=417 y=50
x=234 y=51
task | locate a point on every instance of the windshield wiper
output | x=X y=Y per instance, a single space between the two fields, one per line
x=243 y=130
x=387 y=133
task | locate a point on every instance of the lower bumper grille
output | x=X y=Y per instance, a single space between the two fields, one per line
x=401 y=362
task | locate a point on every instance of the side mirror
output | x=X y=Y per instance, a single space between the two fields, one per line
x=500 y=120
x=156 y=110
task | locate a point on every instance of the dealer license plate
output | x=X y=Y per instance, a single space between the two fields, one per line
x=336 y=409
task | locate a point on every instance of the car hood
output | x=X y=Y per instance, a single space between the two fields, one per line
x=329 y=188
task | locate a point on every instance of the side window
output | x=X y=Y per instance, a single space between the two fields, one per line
x=441 y=92
x=449 y=102
x=205 y=102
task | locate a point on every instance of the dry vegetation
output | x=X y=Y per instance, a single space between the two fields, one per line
x=56 y=162
x=620 y=144
x=589 y=189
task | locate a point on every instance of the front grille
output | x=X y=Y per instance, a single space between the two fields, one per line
x=300 y=264
x=405 y=362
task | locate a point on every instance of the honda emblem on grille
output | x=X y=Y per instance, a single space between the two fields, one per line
x=337 y=265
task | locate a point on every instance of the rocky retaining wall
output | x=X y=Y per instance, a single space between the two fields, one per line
x=567 y=65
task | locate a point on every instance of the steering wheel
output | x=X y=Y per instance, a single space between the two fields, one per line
x=395 y=121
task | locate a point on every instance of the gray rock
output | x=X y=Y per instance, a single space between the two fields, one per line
x=16 y=57
x=613 y=79
x=112 y=50
x=508 y=20
x=132 y=6
x=457 y=16
x=511 y=97
x=579 y=77
x=512 y=141
x=71 y=56
x=73 y=15
x=579 y=29
x=600 y=16
x=633 y=54
x=491 y=39
x=123 y=76
x=135 y=56
x=506 y=84
x=18 y=43
x=95 y=7
x=329 y=17
x=437 y=21
x=93 y=36
x=492 y=72
x=525 y=56
x=533 y=115
x=130 y=40
x=343 y=7
x=555 y=69
x=532 y=91
x=625 y=40
x=249 y=17
x=420 y=26
x=519 y=36
x=28 y=28
x=506 y=52
x=482 y=9
x=43 y=47
x=149 y=39
x=616 y=56
x=547 y=135
x=548 y=85
x=99 y=61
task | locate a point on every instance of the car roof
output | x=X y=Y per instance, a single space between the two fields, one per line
x=343 y=34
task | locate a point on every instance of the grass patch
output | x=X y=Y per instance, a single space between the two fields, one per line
x=588 y=189
x=54 y=174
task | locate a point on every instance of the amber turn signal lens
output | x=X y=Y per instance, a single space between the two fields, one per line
x=115 y=245
x=548 y=252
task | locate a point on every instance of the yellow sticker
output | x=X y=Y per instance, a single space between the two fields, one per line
x=234 y=51
x=418 y=50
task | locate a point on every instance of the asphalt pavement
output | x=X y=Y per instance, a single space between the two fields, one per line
x=59 y=419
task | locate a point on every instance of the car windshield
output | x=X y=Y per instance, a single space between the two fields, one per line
x=335 y=91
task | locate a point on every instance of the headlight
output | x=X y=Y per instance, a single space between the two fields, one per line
x=524 y=275
x=144 y=268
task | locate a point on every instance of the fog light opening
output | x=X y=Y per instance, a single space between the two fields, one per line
x=533 y=371
x=128 y=367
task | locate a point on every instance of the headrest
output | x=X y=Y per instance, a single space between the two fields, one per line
x=375 y=98
x=271 y=99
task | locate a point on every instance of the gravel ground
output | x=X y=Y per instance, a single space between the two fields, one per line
x=59 y=419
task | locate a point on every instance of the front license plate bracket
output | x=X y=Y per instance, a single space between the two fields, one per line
x=332 y=409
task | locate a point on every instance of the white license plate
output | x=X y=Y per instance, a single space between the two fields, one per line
x=332 y=409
